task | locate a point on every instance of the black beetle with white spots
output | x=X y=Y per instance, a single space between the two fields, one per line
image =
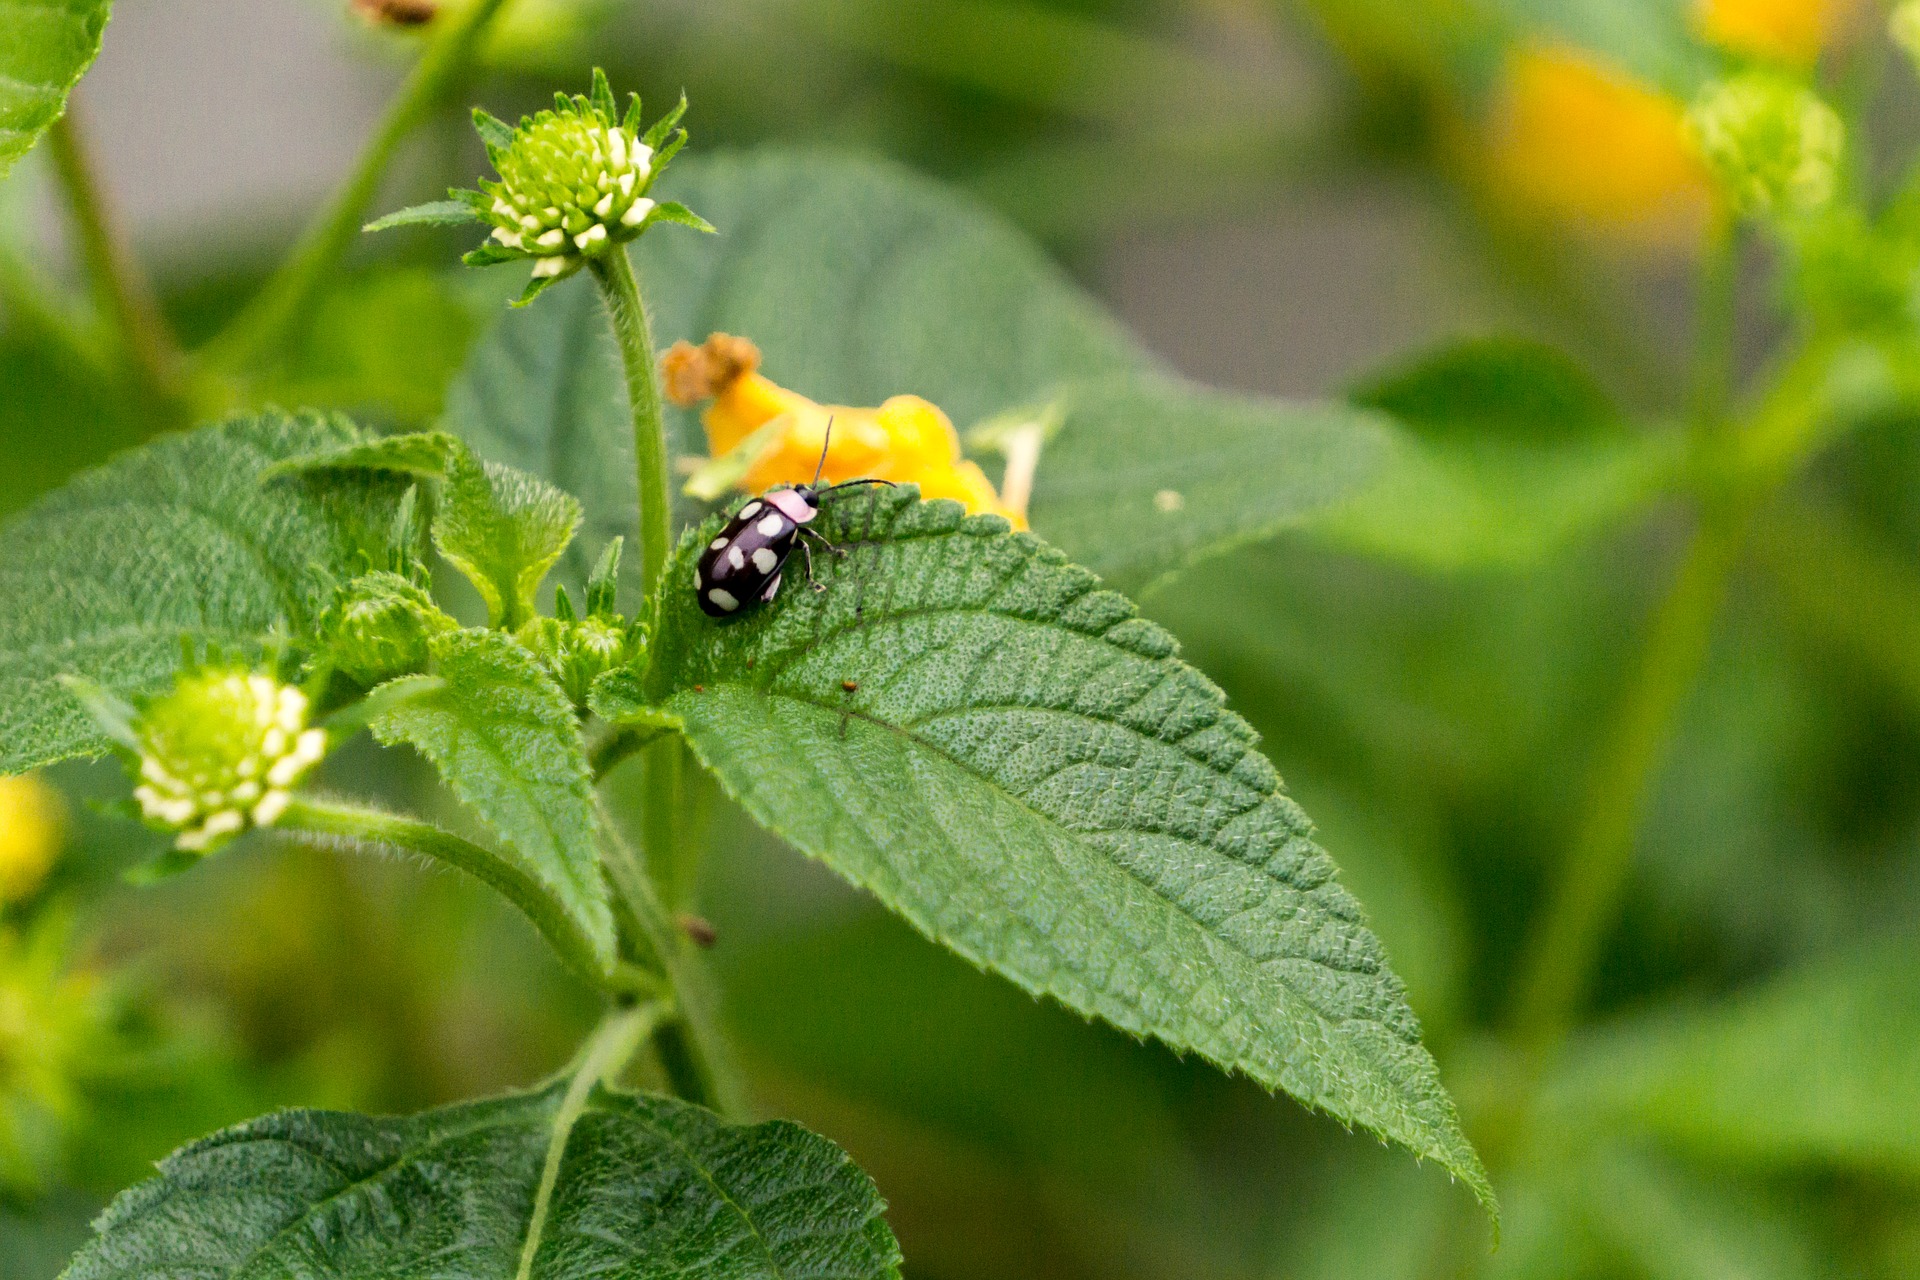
x=741 y=568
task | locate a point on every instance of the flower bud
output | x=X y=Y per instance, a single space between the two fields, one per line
x=221 y=753
x=1772 y=142
x=573 y=183
x=1904 y=26
x=576 y=652
x=380 y=627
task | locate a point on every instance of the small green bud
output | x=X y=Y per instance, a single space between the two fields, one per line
x=576 y=652
x=380 y=627
x=220 y=753
x=1772 y=142
x=573 y=182
x=1904 y=26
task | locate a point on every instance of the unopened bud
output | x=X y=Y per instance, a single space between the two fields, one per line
x=1774 y=144
x=381 y=626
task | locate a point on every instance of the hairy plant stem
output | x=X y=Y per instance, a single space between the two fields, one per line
x=692 y=1048
x=121 y=290
x=599 y=1064
x=620 y=289
x=272 y=317
x=310 y=816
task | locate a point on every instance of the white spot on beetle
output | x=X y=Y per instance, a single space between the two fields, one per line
x=746 y=512
x=717 y=543
x=739 y=561
x=724 y=599
x=763 y=560
x=772 y=524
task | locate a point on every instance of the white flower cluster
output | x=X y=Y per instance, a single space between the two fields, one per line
x=570 y=185
x=221 y=753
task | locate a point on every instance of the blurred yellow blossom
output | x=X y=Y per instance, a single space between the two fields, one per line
x=906 y=440
x=1790 y=31
x=1583 y=142
x=32 y=829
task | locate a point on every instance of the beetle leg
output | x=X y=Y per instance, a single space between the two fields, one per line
x=806 y=549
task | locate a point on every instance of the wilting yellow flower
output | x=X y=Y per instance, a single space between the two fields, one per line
x=1585 y=143
x=32 y=829
x=906 y=440
x=1791 y=31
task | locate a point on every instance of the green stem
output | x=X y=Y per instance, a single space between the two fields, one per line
x=1716 y=324
x=350 y=822
x=621 y=291
x=270 y=319
x=122 y=291
x=1599 y=862
x=607 y=1053
x=693 y=1049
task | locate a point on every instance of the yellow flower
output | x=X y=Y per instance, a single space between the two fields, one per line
x=906 y=440
x=32 y=830
x=1584 y=143
x=1789 y=31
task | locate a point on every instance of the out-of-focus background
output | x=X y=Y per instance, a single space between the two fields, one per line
x=1281 y=196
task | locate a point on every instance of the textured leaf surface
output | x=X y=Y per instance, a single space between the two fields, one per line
x=45 y=47
x=542 y=391
x=503 y=528
x=181 y=538
x=1821 y=1066
x=1144 y=477
x=505 y=738
x=964 y=725
x=647 y=1187
x=1509 y=453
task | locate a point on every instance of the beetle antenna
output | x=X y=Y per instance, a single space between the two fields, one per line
x=824 y=446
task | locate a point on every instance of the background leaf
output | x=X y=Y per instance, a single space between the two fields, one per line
x=504 y=737
x=1006 y=756
x=647 y=1187
x=181 y=538
x=1145 y=476
x=1511 y=453
x=1820 y=1066
x=543 y=391
x=45 y=47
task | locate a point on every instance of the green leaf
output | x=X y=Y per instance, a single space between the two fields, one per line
x=1676 y=1225
x=1511 y=454
x=928 y=292
x=423 y=453
x=181 y=539
x=1142 y=478
x=503 y=529
x=543 y=392
x=504 y=736
x=45 y=47
x=1821 y=1066
x=388 y=341
x=646 y=1188
x=440 y=213
x=1008 y=757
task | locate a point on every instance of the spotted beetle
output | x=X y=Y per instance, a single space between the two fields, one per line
x=741 y=568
